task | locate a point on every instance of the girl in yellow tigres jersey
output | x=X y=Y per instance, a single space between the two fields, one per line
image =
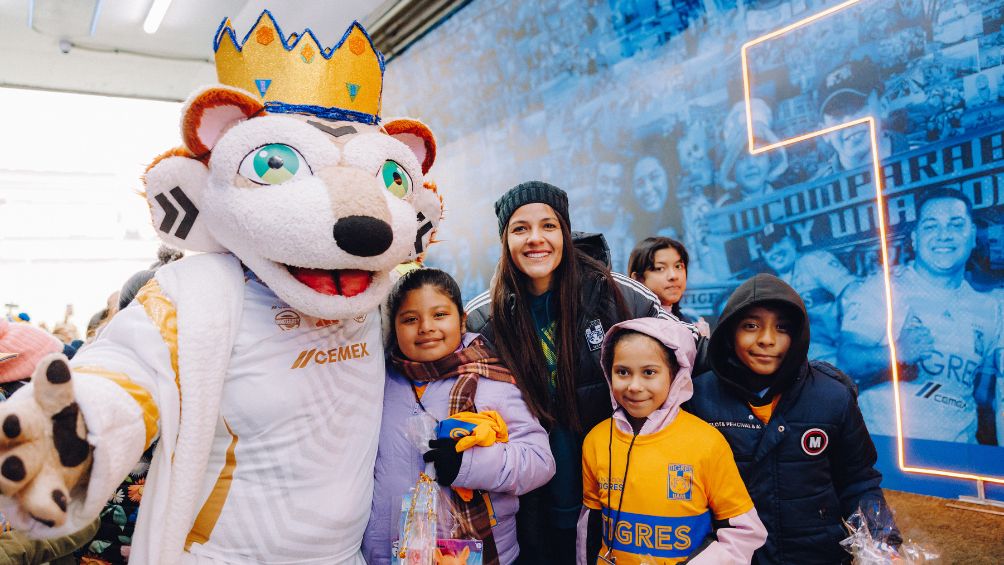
x=660 y=485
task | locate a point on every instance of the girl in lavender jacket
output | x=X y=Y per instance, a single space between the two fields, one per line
x=436 y=368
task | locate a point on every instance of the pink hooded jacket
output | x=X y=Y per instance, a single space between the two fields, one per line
x=676 y=337
x=736 y=538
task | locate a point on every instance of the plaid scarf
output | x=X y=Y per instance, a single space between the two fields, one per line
x=467 y=366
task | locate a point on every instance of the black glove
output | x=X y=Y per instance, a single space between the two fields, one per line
x=445 y=458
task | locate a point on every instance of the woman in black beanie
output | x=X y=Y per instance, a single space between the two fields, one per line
x=547 y=311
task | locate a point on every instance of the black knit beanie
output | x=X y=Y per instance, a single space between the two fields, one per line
x=530 y=192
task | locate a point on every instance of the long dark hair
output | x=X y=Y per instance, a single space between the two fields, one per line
x=643 y=259
x=516 y=334
x=414 y=280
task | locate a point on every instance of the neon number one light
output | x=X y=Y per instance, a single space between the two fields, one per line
x=880 y=205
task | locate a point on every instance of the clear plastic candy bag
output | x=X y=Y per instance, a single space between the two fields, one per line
x=428 y=519
x=873 y=540
x=418 y=526
x=420 y=430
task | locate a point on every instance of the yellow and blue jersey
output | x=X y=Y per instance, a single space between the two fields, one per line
x=680 y=479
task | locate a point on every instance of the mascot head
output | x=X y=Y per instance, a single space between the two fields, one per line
x=288 y=166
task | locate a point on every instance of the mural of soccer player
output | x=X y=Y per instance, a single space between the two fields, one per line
x=984 y=95
x=947 y=333
x=745 y=176
x=817 y=276
x=849 y=92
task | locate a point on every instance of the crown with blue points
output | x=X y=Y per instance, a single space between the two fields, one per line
x=295 y=74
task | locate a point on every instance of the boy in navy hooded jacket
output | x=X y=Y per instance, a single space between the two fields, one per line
x=795 y=428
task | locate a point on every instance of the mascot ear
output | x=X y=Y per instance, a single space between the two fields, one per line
x=175 y=185
x=426 y=200
x=209 y=113
x=429 y=211
x=417 y=137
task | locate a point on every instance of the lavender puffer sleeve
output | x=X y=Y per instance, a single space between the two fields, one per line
x=518 y=466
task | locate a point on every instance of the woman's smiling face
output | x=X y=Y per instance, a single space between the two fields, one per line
x=535 y=244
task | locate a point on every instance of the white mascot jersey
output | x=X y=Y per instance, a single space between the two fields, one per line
x=291 y=462
x=257 y=364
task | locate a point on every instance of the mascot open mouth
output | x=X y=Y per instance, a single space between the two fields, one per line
x=338 y=282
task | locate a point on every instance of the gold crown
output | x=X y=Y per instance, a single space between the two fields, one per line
x=296 y=75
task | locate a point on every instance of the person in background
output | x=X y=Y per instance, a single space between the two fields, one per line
x=96 y=322
x=121 y=298
x=435 y=368
x=132 y=286
x=817 y=276
x=795 y=428
x=660 y=263
x=700 y=502
x=67 y=333
x=546 y=313
x=102 y=317
x=22 y=346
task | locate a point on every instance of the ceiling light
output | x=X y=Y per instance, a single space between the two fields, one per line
x=155 y=15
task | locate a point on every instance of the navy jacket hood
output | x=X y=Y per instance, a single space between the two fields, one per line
x=760 y=290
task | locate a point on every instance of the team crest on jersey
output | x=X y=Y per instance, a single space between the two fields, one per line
x=979 y=347
x=594 y=335
x=287 y=320
x=814 y=441
x=680 y=483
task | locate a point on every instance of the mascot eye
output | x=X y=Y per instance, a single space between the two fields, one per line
x=396 y=179
x=275 y=163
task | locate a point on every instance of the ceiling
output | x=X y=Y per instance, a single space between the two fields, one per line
x=99 y=46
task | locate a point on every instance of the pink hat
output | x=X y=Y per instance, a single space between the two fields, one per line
x=29 y=344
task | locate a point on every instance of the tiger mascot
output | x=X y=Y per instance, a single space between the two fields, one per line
x=258 y=363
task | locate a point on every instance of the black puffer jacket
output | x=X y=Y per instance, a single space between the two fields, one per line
x=813 y=463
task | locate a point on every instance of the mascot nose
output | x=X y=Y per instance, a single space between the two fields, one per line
x=363 y=236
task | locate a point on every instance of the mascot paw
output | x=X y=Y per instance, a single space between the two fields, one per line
x=44 y=452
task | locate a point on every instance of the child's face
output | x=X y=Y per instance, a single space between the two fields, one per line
x=428 y=325
x=762 y=339
x=668 y=276
x=640 y=376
